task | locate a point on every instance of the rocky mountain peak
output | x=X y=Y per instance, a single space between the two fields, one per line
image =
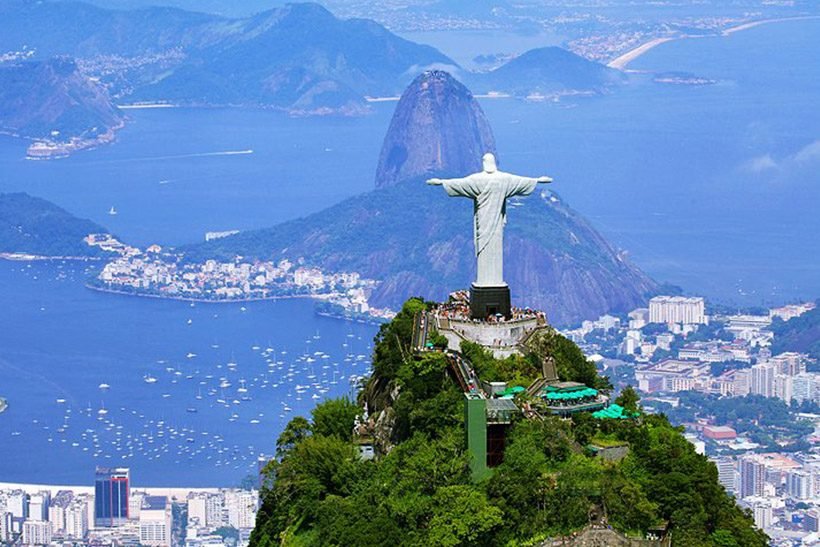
x=438 y=128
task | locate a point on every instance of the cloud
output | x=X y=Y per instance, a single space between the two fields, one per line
x=786 y=166
x=809 y=153
x=761 y=163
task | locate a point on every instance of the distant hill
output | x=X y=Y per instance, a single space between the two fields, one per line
x=801 y=334
x=428 y=134
x=35 y=226
x=39 y=98
x=299 y=57
x=546 y=70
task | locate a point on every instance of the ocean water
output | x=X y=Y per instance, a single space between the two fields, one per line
x=711 y=187
x=61 y=342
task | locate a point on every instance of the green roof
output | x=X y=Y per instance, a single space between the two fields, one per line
x=571 y=395
x=613 y=411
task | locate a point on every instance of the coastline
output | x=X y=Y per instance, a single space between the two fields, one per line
x=25 y=257
x=44 y=149
x=204 y=300
x=622 y=61
x=178 y=492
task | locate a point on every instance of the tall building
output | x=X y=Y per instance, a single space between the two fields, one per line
x=677 y=309
x=763 y=379
x=38 y=505
x=5 y=527
x=789 y=363
x=207 y=509
x=241 y=506
x=752 y=477
x=806 y=387
x=726 y=473
x=36 y=532
x=155 y=522
x=783 y=386
x=76 y=519
x=57 y=510
x=111 y=493
x=741 y=382
x=799 y=484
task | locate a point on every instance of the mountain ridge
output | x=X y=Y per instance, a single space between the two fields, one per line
x=35 y=226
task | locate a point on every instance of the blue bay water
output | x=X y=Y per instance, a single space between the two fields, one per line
x=713 y=188
x=61 y=341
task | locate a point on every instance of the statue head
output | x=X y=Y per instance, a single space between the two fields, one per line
x=489 y=163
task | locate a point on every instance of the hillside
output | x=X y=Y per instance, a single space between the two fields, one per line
x=52 y=100
x=31 y=225
x=800 y=334
x=416 y=240
x=299 y=57
x=548 y=484
x=546 y=70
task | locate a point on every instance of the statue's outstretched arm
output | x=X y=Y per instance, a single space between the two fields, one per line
x=439 y=182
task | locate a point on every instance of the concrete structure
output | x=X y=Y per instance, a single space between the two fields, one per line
x=36 y=532
x=111 y=493
x=800 y=484
x=155 y=522
x=677 y=309
x=726 y=473
x=719 y=432
x=489 y=191
x=672 y=375
x=241 y=507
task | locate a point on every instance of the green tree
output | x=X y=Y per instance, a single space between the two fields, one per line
x=334 y=418
x=462 y=516
x=629 y=399
x=296 y=430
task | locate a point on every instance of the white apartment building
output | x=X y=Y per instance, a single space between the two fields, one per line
x=763 y=379
x=76 y=519
x=741 y=382
x=806 y=387
x=800 y=484
x=38 y=505
x=36 y=532
x=241 y=507
x=789 y=363
x=155 y=522
x=677 y=309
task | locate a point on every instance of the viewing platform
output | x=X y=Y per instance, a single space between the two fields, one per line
x=501 y=335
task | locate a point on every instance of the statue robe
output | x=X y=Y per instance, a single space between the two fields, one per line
x=489 y=192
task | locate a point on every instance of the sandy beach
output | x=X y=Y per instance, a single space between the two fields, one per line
x=622 y=61
x=179 y=493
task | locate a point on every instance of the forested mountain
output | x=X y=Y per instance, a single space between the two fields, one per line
x=418 y=490
x=35 y=226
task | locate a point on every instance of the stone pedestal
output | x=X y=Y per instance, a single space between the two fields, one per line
x=489 y=301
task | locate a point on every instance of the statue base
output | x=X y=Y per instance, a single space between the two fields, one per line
x=489 y=302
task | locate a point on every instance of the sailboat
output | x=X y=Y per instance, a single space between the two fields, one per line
x=112 y=211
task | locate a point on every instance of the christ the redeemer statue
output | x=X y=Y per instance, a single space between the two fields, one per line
x=489 y=190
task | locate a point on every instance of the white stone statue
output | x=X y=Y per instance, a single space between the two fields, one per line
x=489 y=190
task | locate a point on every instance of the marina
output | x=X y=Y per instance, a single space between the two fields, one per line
x=198 y=393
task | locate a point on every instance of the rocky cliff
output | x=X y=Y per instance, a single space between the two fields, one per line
x=437 y=128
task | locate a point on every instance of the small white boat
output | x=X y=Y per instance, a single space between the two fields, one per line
x=112 y=211
x=148 y=379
